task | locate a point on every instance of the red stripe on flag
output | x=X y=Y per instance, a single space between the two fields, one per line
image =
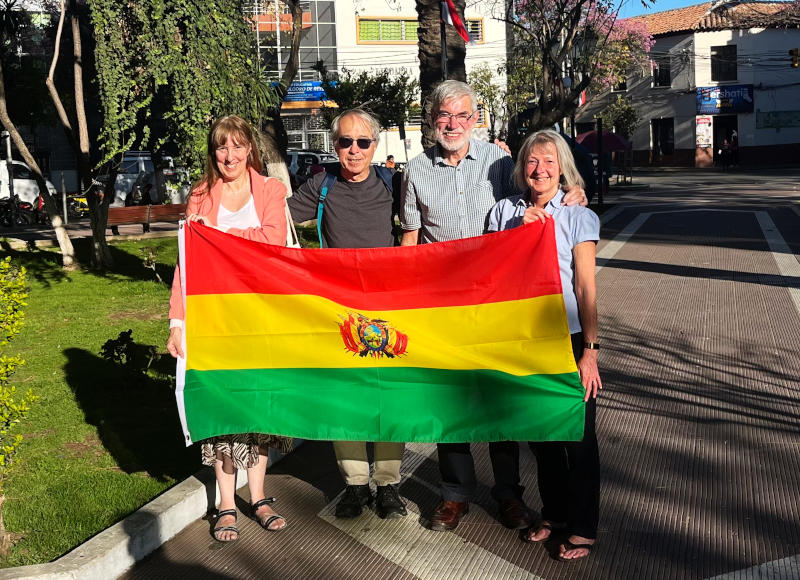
x=450 y=16
x=475 y=270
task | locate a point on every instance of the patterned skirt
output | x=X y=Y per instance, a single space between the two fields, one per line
x=241 y=451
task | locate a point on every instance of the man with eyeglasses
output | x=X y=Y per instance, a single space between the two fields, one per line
x=358 y=212
x=447 y=193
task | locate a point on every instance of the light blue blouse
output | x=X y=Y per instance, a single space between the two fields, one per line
x=574 y=224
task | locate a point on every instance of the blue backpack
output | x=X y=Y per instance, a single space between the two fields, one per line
x=330 y=178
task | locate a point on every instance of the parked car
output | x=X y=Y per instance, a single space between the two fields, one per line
x=300 y=161
x=25 y=186
x=136 y=180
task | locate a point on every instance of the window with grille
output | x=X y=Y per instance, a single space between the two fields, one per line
x=723 y=63
x=475 y=28
x=386 y=30
x=404 y=30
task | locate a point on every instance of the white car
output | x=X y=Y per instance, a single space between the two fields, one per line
x=299 y=161
x=136 y=178
x=24 y=184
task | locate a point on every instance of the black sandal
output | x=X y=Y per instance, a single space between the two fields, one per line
x=525 y=535
x=273 y=518
x=570 y=546
x=218 y=530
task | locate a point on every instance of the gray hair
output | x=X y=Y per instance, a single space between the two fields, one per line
x=371 y=122
x=569 y=171
x=448 y=90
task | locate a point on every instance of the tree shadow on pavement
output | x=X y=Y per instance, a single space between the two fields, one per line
x=698 y=444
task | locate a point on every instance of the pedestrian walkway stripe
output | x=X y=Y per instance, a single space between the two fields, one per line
x=426 y=554
x=611 y=248
x=784 y=258
x=785 y=569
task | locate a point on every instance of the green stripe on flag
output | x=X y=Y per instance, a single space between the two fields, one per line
x=378 y=404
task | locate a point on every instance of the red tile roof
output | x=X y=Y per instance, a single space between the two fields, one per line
x=701 y=17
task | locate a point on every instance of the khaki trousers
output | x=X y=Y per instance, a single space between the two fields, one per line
x=354 y=466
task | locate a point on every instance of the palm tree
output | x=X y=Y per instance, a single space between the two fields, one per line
x=430 y=56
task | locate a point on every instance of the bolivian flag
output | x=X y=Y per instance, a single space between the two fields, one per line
x=448 y=342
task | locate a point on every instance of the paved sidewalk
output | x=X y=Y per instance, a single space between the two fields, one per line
x=698 y=424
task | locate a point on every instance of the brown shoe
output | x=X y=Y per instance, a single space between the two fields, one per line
x=515 y=515
x=447 y=515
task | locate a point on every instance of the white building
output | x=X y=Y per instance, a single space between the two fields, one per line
x=373 y=34
x=721 y=71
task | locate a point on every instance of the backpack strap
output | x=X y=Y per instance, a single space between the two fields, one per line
x=386 y=176
x=329 y=180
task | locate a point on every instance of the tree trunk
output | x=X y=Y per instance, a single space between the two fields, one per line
x=276 y=130
x=64 y=243
x=5 y=537
x=101 y=255
x=430 y=57
x=98 y=204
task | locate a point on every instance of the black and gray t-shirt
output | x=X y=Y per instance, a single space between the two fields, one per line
x=357 y=214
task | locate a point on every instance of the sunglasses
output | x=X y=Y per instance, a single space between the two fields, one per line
x=347 y=142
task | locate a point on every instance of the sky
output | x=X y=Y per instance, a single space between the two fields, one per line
x=634 y=7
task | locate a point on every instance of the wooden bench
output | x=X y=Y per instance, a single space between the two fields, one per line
x=144 y=215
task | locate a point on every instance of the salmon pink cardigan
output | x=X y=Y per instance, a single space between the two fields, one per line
x=269 y=198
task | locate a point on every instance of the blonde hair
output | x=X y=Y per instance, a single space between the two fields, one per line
x=242 y=133
x=569 y=171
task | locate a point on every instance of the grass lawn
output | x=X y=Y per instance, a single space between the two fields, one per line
x=104 y=437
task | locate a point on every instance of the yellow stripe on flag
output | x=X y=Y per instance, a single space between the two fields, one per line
x=256 y=331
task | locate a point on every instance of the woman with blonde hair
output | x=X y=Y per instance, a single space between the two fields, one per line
x=232 y=196
x=568 y=472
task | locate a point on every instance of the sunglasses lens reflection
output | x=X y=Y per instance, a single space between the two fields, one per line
x=347 y=142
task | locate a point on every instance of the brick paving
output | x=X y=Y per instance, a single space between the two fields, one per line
x=698 y=423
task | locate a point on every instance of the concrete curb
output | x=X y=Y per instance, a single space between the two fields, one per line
x=111 y=552
x=21 y=244
x=114 y=550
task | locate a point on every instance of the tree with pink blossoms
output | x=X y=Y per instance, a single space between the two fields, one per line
x=571 y=46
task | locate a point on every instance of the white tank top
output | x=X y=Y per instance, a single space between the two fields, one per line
x=242 y=219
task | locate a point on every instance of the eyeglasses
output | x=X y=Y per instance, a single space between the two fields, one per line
x=461 y=118
x=234 y=149
x=347 y=142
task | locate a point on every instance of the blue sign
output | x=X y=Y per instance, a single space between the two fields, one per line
x=305 y=91
x=729 y=99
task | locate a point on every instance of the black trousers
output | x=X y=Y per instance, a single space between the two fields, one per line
x=569 y=473
x=457 y=469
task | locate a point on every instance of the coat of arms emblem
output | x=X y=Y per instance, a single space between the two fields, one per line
x=371 y=336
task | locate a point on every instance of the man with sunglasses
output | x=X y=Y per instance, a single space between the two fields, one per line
x=358 y=212
x=447 y=193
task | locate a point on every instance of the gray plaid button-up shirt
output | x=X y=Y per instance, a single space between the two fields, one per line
x=447 y=202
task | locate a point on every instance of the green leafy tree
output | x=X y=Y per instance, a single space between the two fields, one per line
x=13 y=408
x=391 y=97
x=185 y=61
x=164 y=70
x=621 y=116
x=490 y=93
